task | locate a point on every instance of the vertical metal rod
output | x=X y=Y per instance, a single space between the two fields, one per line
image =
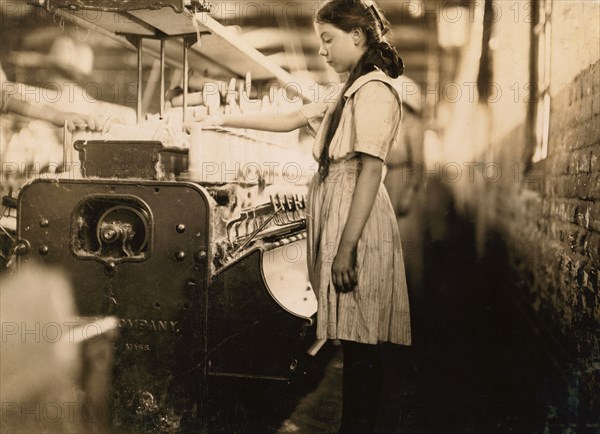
x=186 y=68
x=139 y=80
x=162 y=78
x=66 y=144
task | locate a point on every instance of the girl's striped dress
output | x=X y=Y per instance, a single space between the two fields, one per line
x=378 y=309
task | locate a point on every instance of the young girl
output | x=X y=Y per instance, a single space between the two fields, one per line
x=354 y=256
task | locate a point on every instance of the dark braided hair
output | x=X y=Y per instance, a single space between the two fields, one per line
x=348 y=15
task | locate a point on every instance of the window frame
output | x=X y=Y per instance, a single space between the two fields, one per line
x=540 y=101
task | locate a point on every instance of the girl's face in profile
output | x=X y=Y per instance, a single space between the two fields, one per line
x=341 y=50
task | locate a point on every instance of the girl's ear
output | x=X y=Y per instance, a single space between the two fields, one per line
x=357 y=35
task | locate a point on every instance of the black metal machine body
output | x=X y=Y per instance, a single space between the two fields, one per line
x=145 y=251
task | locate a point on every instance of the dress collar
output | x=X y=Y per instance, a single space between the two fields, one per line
x=363 y=79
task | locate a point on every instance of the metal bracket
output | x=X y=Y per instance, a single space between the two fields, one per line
x=136 y=40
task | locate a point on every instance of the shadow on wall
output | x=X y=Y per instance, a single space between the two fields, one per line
x=545 y=362
x=476 y=365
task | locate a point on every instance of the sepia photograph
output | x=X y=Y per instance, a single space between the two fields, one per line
x=300 y=216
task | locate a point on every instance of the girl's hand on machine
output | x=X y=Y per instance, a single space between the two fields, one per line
x=205 y=121
x=76 y=121
x=211 y=120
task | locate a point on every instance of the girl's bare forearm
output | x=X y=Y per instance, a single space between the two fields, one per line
x=275 y=122
x=365 y=193
x=38 y=111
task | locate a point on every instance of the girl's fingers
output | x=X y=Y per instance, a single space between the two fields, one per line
x=347 y=282
x=338 y=282
x=344 y=281
x=353 y=277
x=187 y=126
x=91 y=123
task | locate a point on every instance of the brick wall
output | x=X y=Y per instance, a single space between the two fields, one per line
x=549 y=221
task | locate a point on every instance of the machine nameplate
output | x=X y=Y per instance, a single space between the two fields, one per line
x=128 y=346
x=149 y=325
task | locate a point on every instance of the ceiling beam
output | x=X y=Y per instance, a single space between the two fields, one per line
x=273 y=38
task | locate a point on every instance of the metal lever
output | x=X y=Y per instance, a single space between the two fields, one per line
x=255 y=233
x=66 y=147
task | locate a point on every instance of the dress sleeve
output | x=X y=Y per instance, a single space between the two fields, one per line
x=314 y=113
x=377 y=113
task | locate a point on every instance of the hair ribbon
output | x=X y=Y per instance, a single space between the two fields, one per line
x=370 y=6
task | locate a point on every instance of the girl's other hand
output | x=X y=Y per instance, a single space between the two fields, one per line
x=204 y=121
x=211 y=120
x=76 y=121
x=343 y=270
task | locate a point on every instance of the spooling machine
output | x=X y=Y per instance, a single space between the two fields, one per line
x=207 y=278
x=196 y=295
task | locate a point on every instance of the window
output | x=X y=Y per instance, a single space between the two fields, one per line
x=539 y=110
